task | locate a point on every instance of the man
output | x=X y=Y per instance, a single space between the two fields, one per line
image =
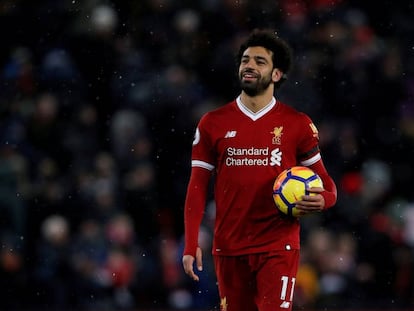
x=246 y=144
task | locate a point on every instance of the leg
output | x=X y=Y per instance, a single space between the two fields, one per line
x=236 y=283
x=276 y=276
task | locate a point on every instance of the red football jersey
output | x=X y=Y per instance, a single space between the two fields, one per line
x=247 y=151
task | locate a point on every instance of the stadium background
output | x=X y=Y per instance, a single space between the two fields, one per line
x=99 y=100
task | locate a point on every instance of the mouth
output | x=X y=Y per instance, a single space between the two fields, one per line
x=248 y=76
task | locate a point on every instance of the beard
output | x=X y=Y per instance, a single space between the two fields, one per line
x=254 y=88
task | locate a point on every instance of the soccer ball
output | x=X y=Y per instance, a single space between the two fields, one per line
x=291 y=185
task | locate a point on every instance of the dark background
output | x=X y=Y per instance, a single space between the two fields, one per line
x=98 y=106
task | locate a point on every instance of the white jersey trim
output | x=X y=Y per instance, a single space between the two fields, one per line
x=255 y=115
x=312 y=160
x=202 y=164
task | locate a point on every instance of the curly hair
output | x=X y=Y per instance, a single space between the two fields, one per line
x=267 y=38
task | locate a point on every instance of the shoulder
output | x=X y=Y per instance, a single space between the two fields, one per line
x=304 y=125
x=291 y=112
x=218 y=113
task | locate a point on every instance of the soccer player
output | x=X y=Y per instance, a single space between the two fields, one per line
x=246 y=144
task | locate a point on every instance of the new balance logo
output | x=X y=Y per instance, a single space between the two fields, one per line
x=230 y=134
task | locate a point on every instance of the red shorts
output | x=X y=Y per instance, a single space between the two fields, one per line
x=254 y=282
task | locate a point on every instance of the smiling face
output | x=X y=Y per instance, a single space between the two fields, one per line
x=256 y=72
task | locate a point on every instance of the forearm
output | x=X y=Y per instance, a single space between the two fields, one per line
x=194 y=207
x=330 y=190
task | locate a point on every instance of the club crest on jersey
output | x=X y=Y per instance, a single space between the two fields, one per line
x=277 y=135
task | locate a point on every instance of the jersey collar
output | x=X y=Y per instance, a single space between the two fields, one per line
x=255 y=115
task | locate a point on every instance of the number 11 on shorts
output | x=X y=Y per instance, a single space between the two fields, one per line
x=287 y=290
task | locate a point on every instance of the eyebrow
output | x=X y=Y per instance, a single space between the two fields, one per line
x=257 y=57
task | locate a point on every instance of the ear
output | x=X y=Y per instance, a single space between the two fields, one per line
x=276 y=75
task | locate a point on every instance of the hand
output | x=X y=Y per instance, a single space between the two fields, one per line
x=188 y=264
x=311 y=203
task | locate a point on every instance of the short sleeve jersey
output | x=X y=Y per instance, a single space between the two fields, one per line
x=247 y=151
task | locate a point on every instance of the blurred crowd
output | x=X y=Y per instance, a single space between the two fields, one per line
x=98 y=105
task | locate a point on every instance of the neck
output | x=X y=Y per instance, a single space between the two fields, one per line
x=256 y=103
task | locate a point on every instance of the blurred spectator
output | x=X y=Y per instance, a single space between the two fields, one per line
x=127 y=128
x=14 y=275
x=53 y=276
x=14 y=185
x=44 y=130
x=81 y=138
x=18 y=74
x=89 y=252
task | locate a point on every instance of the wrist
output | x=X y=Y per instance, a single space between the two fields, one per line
x=330 y=199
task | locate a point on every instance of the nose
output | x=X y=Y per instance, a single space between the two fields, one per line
x=248 y=65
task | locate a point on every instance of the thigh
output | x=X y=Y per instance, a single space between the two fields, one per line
x=236 y=283
x=276 y=277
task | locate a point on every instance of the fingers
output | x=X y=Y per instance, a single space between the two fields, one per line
x=311 y=203
x=188 y=264
x=315 y=189
x=194 y=276
x=199 y=259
